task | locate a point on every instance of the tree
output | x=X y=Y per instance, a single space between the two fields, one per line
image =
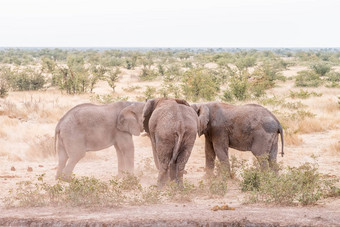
x=112 y=77
x=97 y=74
x=199 y=84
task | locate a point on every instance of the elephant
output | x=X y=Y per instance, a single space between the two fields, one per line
x=90 y=127
x=248 y=127
x=172 y=127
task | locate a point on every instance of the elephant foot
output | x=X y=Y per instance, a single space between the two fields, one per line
x=63 y=177
x=209 y=173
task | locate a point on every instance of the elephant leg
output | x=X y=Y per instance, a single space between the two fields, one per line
x=182 y=160
x=210 y=157
x=62 y=155
x=121 y=166
x=163 y=174
x=73 y=160
x=154 y=152
x=261 y=147
x=273 y=155
x=127 y=151
x=164 y=154
x=221 y=146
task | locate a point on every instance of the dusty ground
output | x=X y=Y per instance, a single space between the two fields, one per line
x=19 y=140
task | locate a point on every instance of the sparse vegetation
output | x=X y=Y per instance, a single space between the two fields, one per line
x=304 y=185
x=198 y=84
x=303 y=94
x=307 y=79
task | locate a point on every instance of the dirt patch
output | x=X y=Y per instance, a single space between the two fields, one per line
x=192 y=214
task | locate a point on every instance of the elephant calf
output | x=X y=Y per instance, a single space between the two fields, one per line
x=172 y=127
x=89 y=127
x=246 y=128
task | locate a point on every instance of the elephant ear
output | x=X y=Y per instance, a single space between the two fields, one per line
x=147 y=111
x=182 y=101
x=128 y=121
x=203 y=118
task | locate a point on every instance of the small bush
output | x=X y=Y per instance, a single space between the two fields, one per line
x=5 y=75
x=303 y=94
x=3 y=88
x=132 y=88
x=321 y=69
x=293 y=105
x=227 y=96
x=169 y=89
x=112 y=77
x=263 y=78
x=199 y=84
x=178 y=193
x=147 y=74
x=302 y=185
x=238 y=87
x=273 y=101
x=334 y=79
x=108 y=98
x=150 y=92
x=307 y=79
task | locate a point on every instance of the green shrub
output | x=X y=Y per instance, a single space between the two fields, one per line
x=75 y=77
x=150 y=92
x=199 y=84
x=98 y=72
x=147 y=74
x=238 y=87
x=26 y=80
x=107 y=98
x=169 y=89
x=245 y=62
x=307 y=79
x=227 y=96
x=263 y=78
x=132 y=88
x=293 y=105
x=321 y=69
x=5 y=74
x=295 y=185
x=334 y=79
x=112 y=77
x=178 y=193
x=303 y=94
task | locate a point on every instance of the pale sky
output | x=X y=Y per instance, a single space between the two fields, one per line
x=175 y=23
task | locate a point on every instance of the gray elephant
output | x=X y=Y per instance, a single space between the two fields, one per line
x=246 y=128
x=172 y=127
x=89 y=127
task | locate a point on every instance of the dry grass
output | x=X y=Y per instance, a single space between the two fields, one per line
x=335 y=148
x=292 y=139
x=41 y=147
x=311 y=125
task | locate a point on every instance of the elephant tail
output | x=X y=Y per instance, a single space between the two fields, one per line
x=175 y=152
x=281 y=133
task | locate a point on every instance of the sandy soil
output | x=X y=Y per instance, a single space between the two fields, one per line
x=103 y=164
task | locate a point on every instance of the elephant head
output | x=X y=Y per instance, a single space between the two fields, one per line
x=130 y=119
x=150 y=107
x=203 y=117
